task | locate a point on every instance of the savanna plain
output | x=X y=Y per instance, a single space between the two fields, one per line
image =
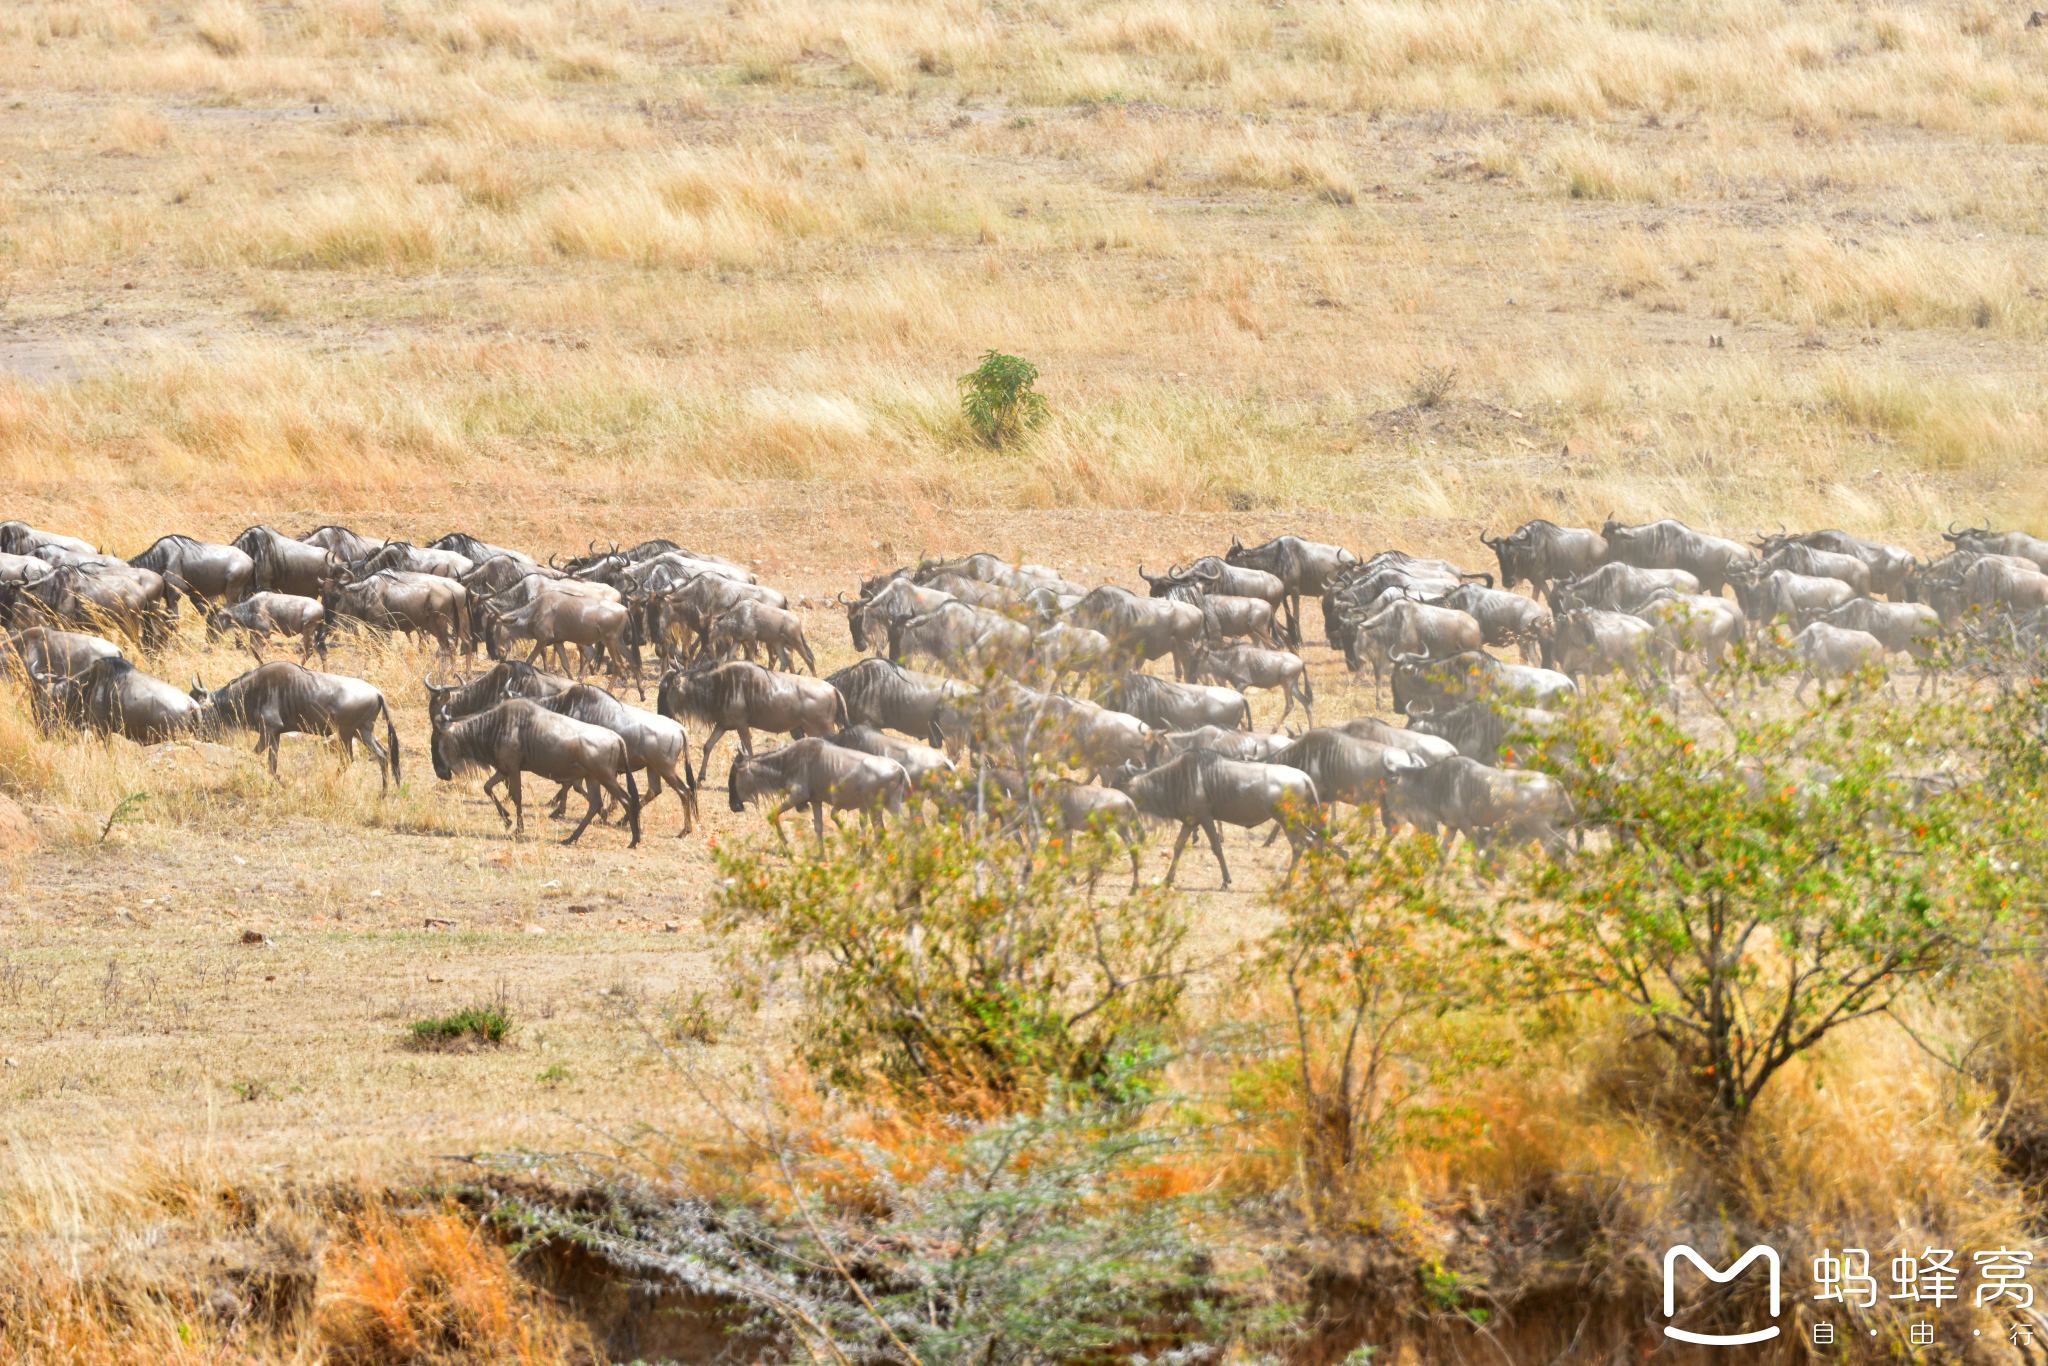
x=1382 y=273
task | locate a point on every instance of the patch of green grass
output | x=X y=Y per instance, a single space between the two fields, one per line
x=480 y=1024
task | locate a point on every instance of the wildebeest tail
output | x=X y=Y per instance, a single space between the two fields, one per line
x=633 y=804
x=390 y=735
x=1308 y=689
x=844 y=718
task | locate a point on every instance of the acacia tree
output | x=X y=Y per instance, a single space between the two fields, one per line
x=1768 y=876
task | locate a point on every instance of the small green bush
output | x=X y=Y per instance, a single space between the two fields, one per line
x=998 y=400
x=490 y=1023
x=972 y=958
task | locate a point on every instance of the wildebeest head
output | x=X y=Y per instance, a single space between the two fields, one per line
x=735 y=782
x=1971 y=533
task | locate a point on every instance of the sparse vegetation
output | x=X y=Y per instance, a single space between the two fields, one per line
x=472 y=1026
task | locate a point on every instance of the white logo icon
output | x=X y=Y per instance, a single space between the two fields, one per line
x=1769 y=1254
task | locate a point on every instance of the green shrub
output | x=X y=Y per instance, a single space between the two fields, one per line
x=971 y=958
x=998 y=400
x=489 y=1023
x=1773 y=874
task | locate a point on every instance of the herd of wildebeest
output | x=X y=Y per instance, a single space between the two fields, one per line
x=1008 y=647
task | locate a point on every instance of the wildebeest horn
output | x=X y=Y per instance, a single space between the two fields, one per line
x=1492 y=543
x=1213 y=573
x=841 y=598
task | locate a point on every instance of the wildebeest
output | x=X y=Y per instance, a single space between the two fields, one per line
x=969 y=641
x=1543 y=552
x=274 y=698
x=1901 y=627
x=1889 y=565
x=1616 y=587
x=742 y=697
x=401 y=600
x=776 y=631
x=923 y=763
x=1819 y=564
x=263 y=615
x=1475 y=673
x=816 y=773
x=1301 y=566
x=1674 y=545
x=1766 y=596
x=993 y=569
x=1346 y=768
x=1201 y=788
x=344 y=544
x=1486 y=805
x=881 y=692
x=682 y=612
x=1824 y=651
x=1063 y=648
x=210 y=574
x=1250 y=746
x=1982 y=583
x=504 y=680
x=1244 y=667
x=501 y=574
x=518 y=737
x=127 y=601
x=883 y=606
x=1407 y=627
x=478 y=552
x=555 y=621
x=19 y=538
x=283 y=565
x=1086 y=735
x=1164 y=704
x=1073 y=807
x=1141 y=629
x=23 y=568
x=1427 y=748
x=654 y=743
x=110 y=696
x=53 y=653
x=413 y=559
x=1984 y=541
x=1213 y=576
x=1594 y=643
x=1481 y=728
x=1692 y=623
x=1224 y=617
x=1504 y=618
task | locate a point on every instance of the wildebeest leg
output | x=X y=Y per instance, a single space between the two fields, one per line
x=1187 y=828
x=561 y=801
x=1134 y=868
x=818 y=820
x=493 y=781
x=512 y=789
x=704 y=764
x=1216 y=843
x=591 y=792
x=271 y=740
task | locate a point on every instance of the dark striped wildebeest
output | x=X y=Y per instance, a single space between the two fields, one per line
x=519 y=737
x=274 y=698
